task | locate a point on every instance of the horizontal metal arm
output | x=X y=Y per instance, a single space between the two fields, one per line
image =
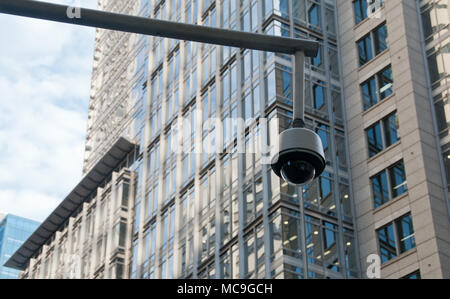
x=141 y=25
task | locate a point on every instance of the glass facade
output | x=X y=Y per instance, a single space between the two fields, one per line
x=435 y=19
x=14 y=231
x=206 y=205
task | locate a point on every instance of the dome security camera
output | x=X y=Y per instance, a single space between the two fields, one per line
x=301 y=158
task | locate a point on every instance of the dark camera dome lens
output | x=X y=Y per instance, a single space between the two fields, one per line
x=298 y=172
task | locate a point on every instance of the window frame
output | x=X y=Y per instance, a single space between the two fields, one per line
x=412 y=274
x=368 y=46
x=372 y=93
x=383 y=124
x=363 y=13
x=380 y=76
x=372 y=44
x=376 y=98
x=387 y=172
x=376 y=130
x=394 y=224
x=376 y=38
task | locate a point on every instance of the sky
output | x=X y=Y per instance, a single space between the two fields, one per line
x=45 y=79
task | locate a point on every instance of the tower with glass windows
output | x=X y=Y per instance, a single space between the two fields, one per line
x=394 y=88
x=434 y=17
x=212 y=208
x=14 y=230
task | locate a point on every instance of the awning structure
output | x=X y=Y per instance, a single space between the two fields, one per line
x=71 y=203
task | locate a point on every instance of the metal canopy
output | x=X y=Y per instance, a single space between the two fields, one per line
x=71 y=203
x=133 y=24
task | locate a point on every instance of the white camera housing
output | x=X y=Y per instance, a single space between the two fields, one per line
x=301 y=158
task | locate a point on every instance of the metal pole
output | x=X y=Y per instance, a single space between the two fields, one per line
x=298 y=89
x=141 y=25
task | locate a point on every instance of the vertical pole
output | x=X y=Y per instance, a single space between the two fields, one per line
x=299 y=92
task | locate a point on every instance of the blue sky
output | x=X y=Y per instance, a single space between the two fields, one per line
x=45 y=79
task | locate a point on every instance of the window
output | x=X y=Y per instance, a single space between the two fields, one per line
x=386 y=242
x=209 y=56
x=137 y=213
x=333 y=61
x=330 y=20
x=314 y=15
x=374 y=139
x=369 y=93
x=283 y=84
x=380 y=39
x=435 y=25
x=398 y=179
x=391 y=129
x=446 y=159
x=317 y=61
x=360 y=9
x=414 y=275
x=366 y=51
x=363 y=10
x=389 y=184
x=134 y=260
x=208 y=124
x=377 y=88
x=290 y=233
x=383 y=134
x=249 y=17
x=250 y=99
x=319 y=96
x=396 y=238
x=385 y=82
x=278 y=7
x=173 y=93
x=380 y=189
x=176 y=10
x=321 y=243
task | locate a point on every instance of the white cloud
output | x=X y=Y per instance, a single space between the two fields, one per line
x=23 y=203
x=45 y=72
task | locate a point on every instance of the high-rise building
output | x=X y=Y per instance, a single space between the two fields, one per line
x=394 y=82
x=155 y=203
x=14 y=231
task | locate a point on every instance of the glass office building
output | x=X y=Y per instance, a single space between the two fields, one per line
x=224 y=213
x=176 y=182
x=435 y=28
x=395 y=82
x=14 y=231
